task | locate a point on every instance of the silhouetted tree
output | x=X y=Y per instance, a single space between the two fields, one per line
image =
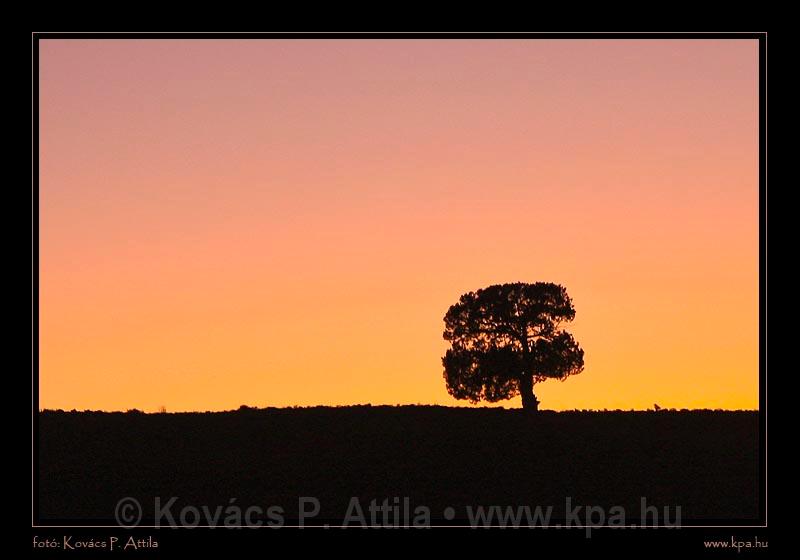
x=506 y=338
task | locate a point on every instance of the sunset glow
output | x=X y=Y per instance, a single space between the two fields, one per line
x=286 y=222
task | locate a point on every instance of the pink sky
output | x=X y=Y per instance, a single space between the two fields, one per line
x=286 y=222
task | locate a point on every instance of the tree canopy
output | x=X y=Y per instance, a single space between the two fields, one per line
x=507 y=337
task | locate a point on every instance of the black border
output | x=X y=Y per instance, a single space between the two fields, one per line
x=738 y=527
x=400 y=35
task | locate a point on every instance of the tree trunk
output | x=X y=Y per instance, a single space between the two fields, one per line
x=529 y=400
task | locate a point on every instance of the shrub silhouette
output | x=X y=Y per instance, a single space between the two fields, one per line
x=507 y=337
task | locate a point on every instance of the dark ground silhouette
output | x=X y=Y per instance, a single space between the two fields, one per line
x=704 y=461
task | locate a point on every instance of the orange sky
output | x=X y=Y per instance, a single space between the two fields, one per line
x=281 y=223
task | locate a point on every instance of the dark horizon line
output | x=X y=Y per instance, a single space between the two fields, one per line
x=248 y=408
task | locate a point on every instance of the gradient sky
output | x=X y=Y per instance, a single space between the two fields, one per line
x=280 y=223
